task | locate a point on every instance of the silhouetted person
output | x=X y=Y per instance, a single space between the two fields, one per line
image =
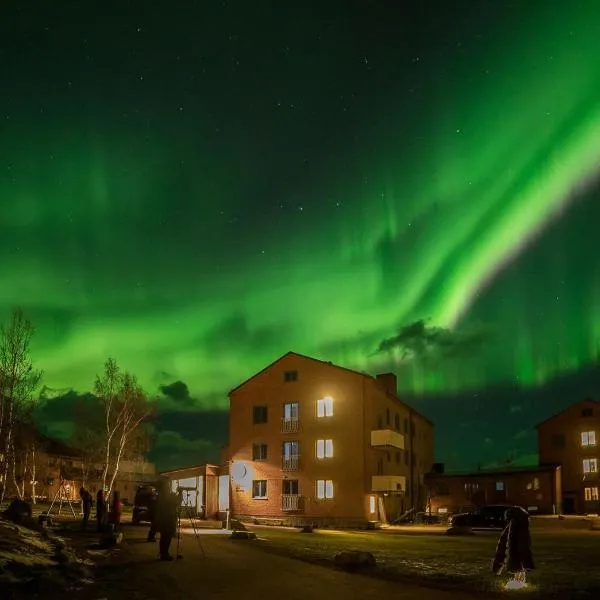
x=152 y=516
x=166 y=519
x=86 y=506
x=115 y=511
x=100 y=510
x=513 y=552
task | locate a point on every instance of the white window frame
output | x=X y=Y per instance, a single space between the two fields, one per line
x=325 y=407
x=590 y=465
x=324 y=449
x=588 y=438
x=291 y=411
x=266 y=490
x=324 y=489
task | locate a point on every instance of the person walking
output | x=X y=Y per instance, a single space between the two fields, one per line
x=115 y=513
x=152 y=516
x=100 y=510
x=86 y=506
x=513 y=551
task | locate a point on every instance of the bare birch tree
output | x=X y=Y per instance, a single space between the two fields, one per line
x=125 y=408
x=18 y=380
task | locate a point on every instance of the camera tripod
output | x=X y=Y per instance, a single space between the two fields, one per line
x=188 y=510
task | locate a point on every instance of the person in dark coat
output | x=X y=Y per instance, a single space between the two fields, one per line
x=513 y=551
x=100 y=510
x=152 y=516
x=115 y=513
x=86 y=506
x=167 y=507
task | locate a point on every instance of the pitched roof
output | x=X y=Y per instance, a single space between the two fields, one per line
x=328 y=364
x=564 y=410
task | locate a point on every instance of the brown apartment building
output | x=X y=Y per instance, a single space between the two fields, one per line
x=536 y=488
x=570 y=438
x=312 y=442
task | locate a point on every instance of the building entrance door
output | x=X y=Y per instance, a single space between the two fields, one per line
x=569 y=507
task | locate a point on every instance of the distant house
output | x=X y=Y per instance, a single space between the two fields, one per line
x=58 y=470
x=536 y=488
x=570 y=438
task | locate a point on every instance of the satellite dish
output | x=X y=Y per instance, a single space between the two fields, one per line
x=238 y=471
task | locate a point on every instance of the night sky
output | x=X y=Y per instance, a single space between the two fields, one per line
x=196 y=188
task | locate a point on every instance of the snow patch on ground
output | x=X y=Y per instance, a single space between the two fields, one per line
x=29 y=555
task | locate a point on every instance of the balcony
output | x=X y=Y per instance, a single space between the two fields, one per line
x=591 y=476
x=387 y=438
x=289 y=425
x=291 y=502
x=388 y=483
x=290 y=463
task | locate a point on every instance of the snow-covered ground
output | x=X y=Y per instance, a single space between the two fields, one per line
x=32 y=556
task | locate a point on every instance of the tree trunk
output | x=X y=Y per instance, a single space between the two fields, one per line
x=13 y=465
x=7 y=446
x=33 y=472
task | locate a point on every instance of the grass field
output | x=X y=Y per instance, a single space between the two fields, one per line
x=567 y=564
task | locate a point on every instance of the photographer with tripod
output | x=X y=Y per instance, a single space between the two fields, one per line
x=166 y=518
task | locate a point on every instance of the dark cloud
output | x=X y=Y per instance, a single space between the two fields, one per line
x=178 y=392
x=435 y=344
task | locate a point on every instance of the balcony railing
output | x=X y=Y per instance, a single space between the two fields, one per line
x=289 y=425
x=290 y=463
x=388 y=483
x=387 y=438
x=290 y=502
x=591 y=476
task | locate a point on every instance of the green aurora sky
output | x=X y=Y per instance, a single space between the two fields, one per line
x=197 y=193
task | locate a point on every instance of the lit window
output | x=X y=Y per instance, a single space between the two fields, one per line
x=324 y=448
x=324 y=488
x=591 y=493
x=372 y=504
x=325 y=407
x=588 y=438
x=290 y=411
x=499 y=486
x=590 y=465
x=536 y=483
x=259 y=489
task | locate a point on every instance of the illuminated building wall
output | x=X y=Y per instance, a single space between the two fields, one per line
x=570 y=438
x=310 y=441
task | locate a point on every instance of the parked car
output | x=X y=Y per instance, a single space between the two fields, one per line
x=141 y=504
x=484 y=517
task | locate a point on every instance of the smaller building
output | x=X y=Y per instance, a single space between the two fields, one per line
x=205 y=490
x=570 y=438
x=536 y=488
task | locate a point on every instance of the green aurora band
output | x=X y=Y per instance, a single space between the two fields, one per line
x=510 y=142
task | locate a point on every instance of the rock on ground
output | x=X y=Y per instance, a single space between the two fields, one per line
x=354 y=560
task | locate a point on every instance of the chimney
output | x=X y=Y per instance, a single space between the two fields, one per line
x=388 y=382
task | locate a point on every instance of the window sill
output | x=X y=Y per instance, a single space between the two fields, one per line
x=259 y=498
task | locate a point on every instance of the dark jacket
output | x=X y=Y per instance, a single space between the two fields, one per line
x=166 y=512
x=514 y=546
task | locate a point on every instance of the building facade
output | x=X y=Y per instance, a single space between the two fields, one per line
x=570 y=438
x=311 y=442
x=538 y=489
